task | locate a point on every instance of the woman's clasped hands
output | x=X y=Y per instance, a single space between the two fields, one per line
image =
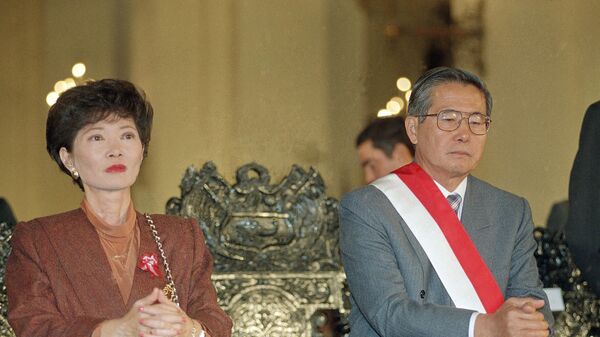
x=152 y=316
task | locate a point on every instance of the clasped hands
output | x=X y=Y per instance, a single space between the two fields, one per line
x=516 y=317
x=152 y=316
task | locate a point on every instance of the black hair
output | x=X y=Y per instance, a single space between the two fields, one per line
x=92 y=102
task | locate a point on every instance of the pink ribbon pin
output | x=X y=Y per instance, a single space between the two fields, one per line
x=149 y=263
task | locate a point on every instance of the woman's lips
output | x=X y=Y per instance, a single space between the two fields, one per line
x=116 y=169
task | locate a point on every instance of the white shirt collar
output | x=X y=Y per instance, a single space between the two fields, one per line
x=460 y=190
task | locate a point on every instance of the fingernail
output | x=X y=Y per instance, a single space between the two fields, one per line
x=141 y=308
x=141 y=334
x=141 y=321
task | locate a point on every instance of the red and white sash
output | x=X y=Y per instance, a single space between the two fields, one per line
x=420 y=203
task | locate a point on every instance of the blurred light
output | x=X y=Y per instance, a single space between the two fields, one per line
x=51 y=98
x=407 y=95
x=399 y=101
x=384 y=113
x=60 y=87
x=70 y=83
x=403 y=84
x=393 y=106
x=78 y=69
x=392 y=30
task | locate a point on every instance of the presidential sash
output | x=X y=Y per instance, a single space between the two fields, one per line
x=465 y=276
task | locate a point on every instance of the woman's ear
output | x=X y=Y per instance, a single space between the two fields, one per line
x=66 y=159
x=412 y=126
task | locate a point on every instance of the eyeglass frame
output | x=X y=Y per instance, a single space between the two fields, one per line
x=488 y=120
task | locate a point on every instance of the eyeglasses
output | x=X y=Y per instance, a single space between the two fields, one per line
x=449 y=120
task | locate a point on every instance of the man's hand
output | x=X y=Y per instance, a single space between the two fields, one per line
x=517 y=317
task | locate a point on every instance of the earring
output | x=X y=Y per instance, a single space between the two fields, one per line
x=75 y=174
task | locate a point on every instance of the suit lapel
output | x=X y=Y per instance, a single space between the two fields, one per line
x=475 y=215
x=143 y=282
x=80 y=252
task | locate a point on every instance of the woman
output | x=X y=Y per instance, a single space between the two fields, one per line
x=104 y=269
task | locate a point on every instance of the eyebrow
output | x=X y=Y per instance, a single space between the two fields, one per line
x=462 y=112
x=98 y=128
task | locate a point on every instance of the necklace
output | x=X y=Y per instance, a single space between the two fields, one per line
x=122 y=254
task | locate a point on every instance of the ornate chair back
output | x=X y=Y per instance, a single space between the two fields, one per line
x=581 y=317
x=277 y=267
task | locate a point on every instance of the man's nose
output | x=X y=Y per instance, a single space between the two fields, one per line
x=463 y=132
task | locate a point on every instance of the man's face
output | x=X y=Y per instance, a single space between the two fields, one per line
x=376 y=163
x=448 y=156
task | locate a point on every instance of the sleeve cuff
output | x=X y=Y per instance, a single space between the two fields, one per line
x=472 y=324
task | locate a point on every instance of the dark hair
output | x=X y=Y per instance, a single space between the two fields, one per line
x=92 y=102
x=385 y=133
x=420 y=98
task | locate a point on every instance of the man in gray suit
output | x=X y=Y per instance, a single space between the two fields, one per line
x=420 y=266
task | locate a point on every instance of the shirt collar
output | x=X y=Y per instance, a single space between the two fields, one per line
x=460 y=190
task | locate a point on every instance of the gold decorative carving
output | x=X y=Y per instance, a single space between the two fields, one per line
x=277 y=262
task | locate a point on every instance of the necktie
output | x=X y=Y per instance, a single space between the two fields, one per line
x=454 y=201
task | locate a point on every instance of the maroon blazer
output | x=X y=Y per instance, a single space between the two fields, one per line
x=60 y=283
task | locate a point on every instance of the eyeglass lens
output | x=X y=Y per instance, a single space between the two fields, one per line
x=450 y=121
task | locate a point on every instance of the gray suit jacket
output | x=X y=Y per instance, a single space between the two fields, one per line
x=396 y=291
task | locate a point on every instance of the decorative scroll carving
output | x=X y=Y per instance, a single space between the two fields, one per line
x=277 y=264
x=277 y=304
x=314 y=289
x=581 y=317
x=258 y=226
x=5 y=235
x=5 y=329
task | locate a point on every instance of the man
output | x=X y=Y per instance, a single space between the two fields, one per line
x=419 y=266
x=583 y=228
x=382 y=147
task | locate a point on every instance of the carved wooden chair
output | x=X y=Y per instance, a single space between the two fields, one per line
x=5 y=235
x=277 y=267
x=581 y=317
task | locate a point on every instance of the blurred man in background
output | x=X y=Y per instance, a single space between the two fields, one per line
x=382 y=147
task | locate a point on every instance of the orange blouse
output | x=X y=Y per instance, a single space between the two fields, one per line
x=121 y=245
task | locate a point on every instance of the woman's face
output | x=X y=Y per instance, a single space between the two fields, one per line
x=107 y=154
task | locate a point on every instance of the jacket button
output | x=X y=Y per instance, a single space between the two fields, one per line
x=422 y=294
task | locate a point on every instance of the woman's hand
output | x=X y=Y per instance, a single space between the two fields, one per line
x=152 y=316
x=128 y=325
x=165 y=319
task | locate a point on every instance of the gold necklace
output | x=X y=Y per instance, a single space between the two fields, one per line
x=120 y=255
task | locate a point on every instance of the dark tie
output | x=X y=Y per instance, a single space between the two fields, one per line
x=454 y=201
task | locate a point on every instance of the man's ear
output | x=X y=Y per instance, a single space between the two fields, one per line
x=412 y=126
x=66 y=159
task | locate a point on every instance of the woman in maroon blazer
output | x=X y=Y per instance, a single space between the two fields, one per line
x=104 y=269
